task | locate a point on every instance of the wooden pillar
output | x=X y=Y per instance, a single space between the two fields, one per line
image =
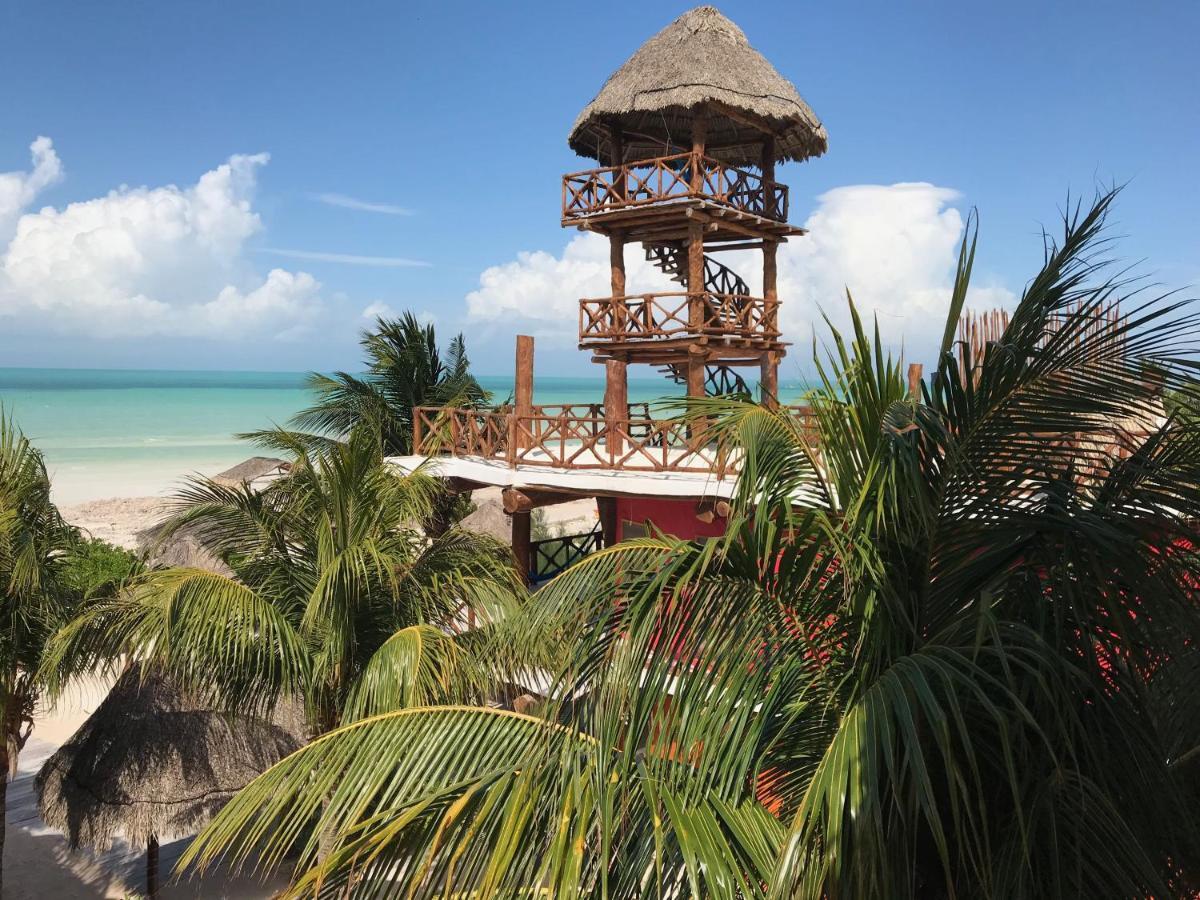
x=768 y=380
x=915 y=371
x=522 y=529
x=152 y=867
x=699 y=139
x=607 y=507
x=695 y=276
x=616 y=405
x=767 y=165
x=616 y=262
x=617 y=137
x=771 y=284
x=695 y=372
x=523 y=391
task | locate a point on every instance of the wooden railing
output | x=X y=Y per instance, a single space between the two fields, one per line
x=576 y=437
x=648 y=316
x=676 y=177
x=551 y=556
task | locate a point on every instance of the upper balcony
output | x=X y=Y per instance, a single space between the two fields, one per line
x=683 y=178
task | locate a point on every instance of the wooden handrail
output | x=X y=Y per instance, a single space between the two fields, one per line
x=669 y=314
x=674 y=177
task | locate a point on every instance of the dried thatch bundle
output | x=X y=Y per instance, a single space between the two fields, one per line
x=701 y=57
x=489 y=516
x=151 y=764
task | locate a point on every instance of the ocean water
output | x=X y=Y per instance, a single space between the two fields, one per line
x=132 y=433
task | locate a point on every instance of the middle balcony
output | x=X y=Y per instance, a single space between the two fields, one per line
x=641 y=321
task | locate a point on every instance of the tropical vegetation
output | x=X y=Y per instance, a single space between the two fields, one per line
x=947 y=648
x=336 y=596
x=48 y=572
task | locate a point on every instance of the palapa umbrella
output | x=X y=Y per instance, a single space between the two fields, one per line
x=151 y=764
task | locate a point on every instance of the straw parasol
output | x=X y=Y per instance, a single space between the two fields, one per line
x=700 y=58
x=153 y=765
x=489 y=516
x=252 y=470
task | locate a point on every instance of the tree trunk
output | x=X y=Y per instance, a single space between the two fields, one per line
x=152 y=867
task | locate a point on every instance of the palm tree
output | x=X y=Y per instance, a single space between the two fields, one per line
x=946 y=649
x=336 y=596
x=34 y=546
x=404 y=370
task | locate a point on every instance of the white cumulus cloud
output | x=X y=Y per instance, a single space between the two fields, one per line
x=152 y=261
x=19 y=189
x=893 y=247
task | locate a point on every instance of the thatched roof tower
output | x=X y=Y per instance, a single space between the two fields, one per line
x=152 y=764
x=700 y=58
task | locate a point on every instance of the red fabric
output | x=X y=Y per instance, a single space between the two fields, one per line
x=675 y=517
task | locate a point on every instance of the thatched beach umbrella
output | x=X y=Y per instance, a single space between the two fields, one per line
x=152 y=765
x=253 y=472
x=700 y=58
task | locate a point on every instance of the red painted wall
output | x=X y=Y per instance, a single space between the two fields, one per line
x=677 y=517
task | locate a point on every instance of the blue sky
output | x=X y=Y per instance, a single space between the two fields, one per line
x=457 y=115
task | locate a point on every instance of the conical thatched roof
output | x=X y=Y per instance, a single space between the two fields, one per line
x=150 y=762
x=701 y=57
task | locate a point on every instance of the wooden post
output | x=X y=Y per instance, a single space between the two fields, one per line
x=695 y=372
x=522 y=526
x=699 y=138
x=771 y=284
x=768 y=380
x=616 y=262
x=607 y=507
x=523 y=391
x=618 y=161
x=767 y=165
x=695 y=276
x=152 y=868
x=616 y=406
x=915 y=371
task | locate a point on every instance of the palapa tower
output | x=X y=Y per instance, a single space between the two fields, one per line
x=690 y=130
x=687 y=134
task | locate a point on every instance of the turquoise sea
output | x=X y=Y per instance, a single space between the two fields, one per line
x=125 y=433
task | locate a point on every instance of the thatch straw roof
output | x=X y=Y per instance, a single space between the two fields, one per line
x=701 y=57
x=151 y=763
x=489 y=517
x=251 y=470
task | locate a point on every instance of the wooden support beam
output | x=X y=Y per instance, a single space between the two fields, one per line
x=616 y=405
x=518 y=500
x=767 y=165
x=607 y=508
x=768 y=380
x=699 y=139
x=695 y=275
x=522 y=531
x=915 y=373
x=705 y=218
x=523 y=393
x=695 y=372
x=616 y=261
